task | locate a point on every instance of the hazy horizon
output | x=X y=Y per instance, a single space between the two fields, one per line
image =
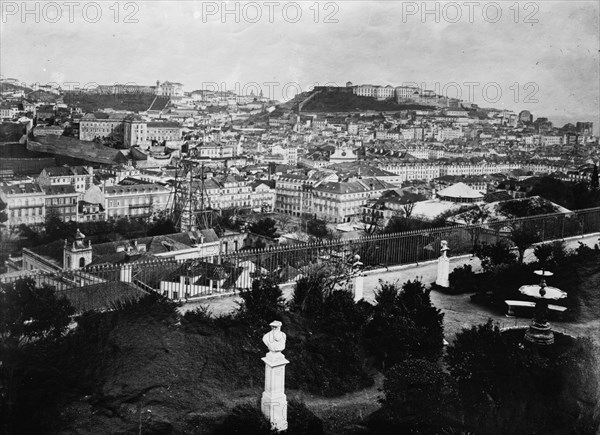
x=543 y=57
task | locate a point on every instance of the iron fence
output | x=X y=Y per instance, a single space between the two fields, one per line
x=229 y=273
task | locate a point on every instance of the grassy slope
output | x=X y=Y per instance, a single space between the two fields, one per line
x=187 y=378
x=93 y=102
x=344 y=101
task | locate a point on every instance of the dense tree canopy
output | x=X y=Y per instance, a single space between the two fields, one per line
x=317 y=228
x=419 y=399
x=404 y=324
x=31 y=312
x=265 y=227
x=573 y=196
x=509 y=386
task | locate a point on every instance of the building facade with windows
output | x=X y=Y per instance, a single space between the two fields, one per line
x=62 y=200
x=80 y=177
x=228 y=192
x=136 y=201
x=100 y=124
x=339 y=202
x=25 y=204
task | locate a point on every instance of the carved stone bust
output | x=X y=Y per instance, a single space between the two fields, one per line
x=275 y=338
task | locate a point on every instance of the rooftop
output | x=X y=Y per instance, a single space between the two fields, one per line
x=460 y=190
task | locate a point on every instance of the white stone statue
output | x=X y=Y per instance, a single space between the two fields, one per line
x=358 y=278
x=443 y=271
x=275 y=338
x=274 y=402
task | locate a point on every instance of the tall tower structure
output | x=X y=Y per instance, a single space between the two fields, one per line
x=77 y=254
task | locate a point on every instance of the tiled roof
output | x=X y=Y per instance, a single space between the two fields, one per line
x=58 y=189
x=164 y=124
x=58 y=171
x=100 y=296
x=18 y=189
x=363 y=185
x=139 y=188
x=459 y=190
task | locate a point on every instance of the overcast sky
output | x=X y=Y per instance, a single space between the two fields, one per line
x=549 y=51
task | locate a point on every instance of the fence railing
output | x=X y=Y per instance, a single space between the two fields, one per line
x=225 y=273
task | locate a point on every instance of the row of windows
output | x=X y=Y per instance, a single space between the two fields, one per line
x=57 y=201
x=38 y=211
x=26 y=212
x=135 y=201
x=26 y=202
x=128 y=212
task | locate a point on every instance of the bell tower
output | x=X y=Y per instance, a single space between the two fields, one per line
x=78 y=254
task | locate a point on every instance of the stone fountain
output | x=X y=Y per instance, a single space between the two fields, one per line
x=540 y=331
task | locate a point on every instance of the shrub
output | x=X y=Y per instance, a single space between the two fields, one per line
x=265 y=227
x=327 y=365
x=550 y=255
x=404 y=324
x=524 y=238
x=509 y=386
x=419 y=399
x=199 y=321
x=494 y=255
x=308 y=295
x=341 y=316
x=263 y=302
x=319 y=281
x=543 y=253
x=463 y=280
x=152 y=307
x=31 y=312
x=505 y=282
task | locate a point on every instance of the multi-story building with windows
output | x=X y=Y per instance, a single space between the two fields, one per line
x=80 y=177
x=100 y=124
x=25 y=204
x=138 y=132
x=404 y=93
x=366 y=91
x=384 y=92
x=227 y=192
x=343 y=201
x=138 y=200
x=89 y=211
x=263 y=195
x=135 y=131
x=294 y=192
x=411 y=171
x=213 y=151
x=161 y=131
x=169 y=89
x=62 y=199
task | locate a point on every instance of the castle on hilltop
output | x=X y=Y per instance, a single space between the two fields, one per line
x=164 y=89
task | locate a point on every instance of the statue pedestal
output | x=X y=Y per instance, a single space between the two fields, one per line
x=274 y=401
x=540 y=333
x=358 y=284
x=443 y=271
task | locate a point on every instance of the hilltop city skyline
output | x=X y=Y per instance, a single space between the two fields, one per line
x=553 y=74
